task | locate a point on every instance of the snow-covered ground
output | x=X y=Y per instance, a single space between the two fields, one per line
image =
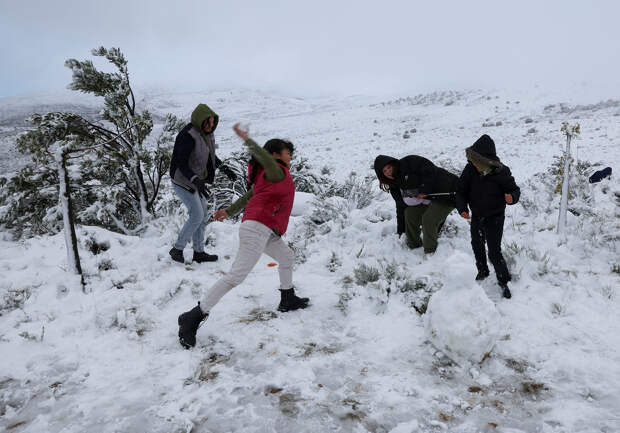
x=362 y=357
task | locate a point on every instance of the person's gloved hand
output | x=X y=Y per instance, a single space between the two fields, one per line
x=220 y=215
x=200 y=186
x=228 y=172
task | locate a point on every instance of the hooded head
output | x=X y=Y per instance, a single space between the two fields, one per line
x=380 y=162
x=201 y=113
x=485 y=146
x=482 y=155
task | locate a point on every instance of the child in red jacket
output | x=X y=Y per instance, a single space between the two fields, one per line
x=268 y=204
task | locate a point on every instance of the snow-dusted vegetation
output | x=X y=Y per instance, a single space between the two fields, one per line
x=394 y=341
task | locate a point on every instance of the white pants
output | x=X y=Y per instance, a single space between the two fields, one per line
x=254 y=239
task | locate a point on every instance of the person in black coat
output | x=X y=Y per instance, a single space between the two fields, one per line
x=487 y=185
x=424 y=196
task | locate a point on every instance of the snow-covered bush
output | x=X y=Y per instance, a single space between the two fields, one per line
x=334 y=210
x=541 y=193
x=305 y=178
x=357 y=190
x=224 y=191
x=95 y=246
x=417 y=293
x=579 y=186
x=29 y=202
x=334 y=262
x=299 y=251
x=13 y=298
x=365 y=274
x=106 y=265
x=388 y=279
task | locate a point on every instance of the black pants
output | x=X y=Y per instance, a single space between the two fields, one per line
x=489 y=229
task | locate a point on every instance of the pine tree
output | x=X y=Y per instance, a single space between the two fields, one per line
x=126 y=159
x=116 y=175
x=56 y=139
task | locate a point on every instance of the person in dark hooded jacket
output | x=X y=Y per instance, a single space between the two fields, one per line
x=192 y=166
x=424 y=196
x=487 y=185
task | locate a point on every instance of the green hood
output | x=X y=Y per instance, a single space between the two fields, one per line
x=202 y=113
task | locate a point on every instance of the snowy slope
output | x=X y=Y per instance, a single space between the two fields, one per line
x=360 y=358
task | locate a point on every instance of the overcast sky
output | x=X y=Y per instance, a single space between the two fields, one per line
x=316 y=47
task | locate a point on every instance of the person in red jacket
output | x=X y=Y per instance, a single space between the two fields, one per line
x=268 y=204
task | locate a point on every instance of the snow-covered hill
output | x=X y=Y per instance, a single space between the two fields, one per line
x=360 y=358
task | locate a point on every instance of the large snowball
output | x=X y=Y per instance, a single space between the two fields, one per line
x=463 y=323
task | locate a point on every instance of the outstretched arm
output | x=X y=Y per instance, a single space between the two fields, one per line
x=273 y=172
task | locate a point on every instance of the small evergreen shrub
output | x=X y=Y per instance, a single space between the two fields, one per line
x=305 y=179
x=334 y=263
x=95 y=246
x=365 y=274
x=12 y=299
x=106 y=265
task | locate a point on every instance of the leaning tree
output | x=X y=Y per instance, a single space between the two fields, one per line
x=116 y=180
x=125 y=159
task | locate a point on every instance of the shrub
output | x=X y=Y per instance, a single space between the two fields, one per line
x=365 y=274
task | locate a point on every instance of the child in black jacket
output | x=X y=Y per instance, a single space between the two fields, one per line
x=487 y=185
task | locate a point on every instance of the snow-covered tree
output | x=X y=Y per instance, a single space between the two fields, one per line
x=57 y=138
x=126 y=160
x=116 y=179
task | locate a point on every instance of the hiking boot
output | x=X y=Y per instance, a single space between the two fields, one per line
x=289 y=301
x=188 y=326
x=177 y=255
x=482 y=275
x=413 y=245
x=204 y=257
x=505 y=290
x=428 y=256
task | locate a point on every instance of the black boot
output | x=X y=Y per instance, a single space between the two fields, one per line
x=289 y=301
x=188 y=326
x=177 y=255
x=413 y=246
x=505 y=290
x=204 y=257
x=482 y=274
